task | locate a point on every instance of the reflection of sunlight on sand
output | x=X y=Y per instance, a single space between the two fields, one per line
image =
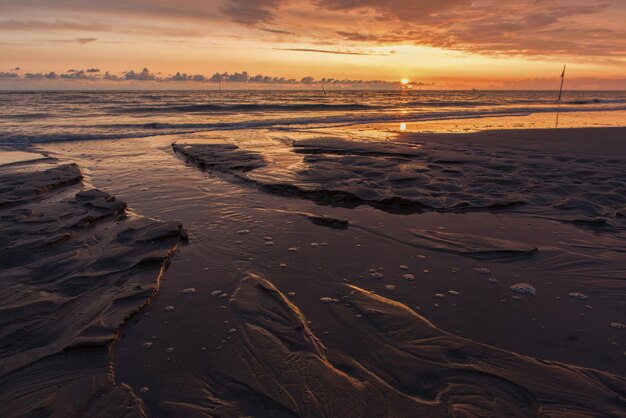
x=532 y=121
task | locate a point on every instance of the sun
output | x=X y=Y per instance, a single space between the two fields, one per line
x=405 y=81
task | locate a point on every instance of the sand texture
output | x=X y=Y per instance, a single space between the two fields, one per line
x=329 y=273
x=76 y=264
x=445 y=176
x=409 y=368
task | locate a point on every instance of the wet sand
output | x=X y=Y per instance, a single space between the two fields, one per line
x=427 y=275
x=75 y=265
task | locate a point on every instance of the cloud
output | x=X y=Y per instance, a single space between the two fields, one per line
x=184 y=77
x=532 y=28
x=52 y=25
x=251 y=12
x=41 y=76
x=84 y=41
x=328 y=51
x=144 y=75
x=408 y=10
x=78 y=75
x=237 y=78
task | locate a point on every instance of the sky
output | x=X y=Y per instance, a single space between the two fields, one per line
x=442 y=44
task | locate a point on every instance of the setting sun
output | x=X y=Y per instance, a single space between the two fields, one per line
x=405 y=81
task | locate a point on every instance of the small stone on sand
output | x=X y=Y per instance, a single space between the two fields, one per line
x=408 y=277
x=440 y=295
x=376 y=275
x=282 y=265
x=328 y=300
x=293 y=249
x=188 y=291
x=390 y=287
x=578 y=296
x=403 y=267
x=524 y=288
x=617 y=325
x=243 y=231
x=144 y=389
x=146 y=345
x=314 y=244
x=453 y=292
x=169 y=308
x=169 y=349
x=482 y=270
x=216 y=293
x=269 y=243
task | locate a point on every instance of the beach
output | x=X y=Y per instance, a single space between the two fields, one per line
x=334 y=273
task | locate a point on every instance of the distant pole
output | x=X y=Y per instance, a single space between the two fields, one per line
x=558 y=109
x=323 y=89
x=219 y=81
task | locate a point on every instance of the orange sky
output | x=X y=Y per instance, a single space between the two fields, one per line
x=444 y=43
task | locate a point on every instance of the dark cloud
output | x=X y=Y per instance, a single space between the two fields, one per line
x=79 y=75
x=251 y=12
x=276 y=31
x=111 y=77
x=143 y=75
x=411 y=10
x=328 y=51
x=41 y=76
x=239 y=78
x=185 y=77
x=84 y=41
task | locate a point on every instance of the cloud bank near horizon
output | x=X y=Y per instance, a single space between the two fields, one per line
x=18 y=79
x=145 y=75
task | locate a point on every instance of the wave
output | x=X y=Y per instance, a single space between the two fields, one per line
x=137 y=130
x=249 y=107
x=313 y=107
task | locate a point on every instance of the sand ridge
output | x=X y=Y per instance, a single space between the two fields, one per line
x=75 y=265
x=410 y=368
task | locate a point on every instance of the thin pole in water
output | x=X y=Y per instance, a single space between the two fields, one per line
x=219 y=81
x=323 y=89
x=558 y=109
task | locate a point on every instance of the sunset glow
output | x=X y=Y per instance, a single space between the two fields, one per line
x=452 y=44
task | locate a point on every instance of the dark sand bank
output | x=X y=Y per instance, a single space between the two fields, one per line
x=332 y=276
x=75 y=265
x=575 y=175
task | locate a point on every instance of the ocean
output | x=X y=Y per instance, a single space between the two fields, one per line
x=37 y=117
